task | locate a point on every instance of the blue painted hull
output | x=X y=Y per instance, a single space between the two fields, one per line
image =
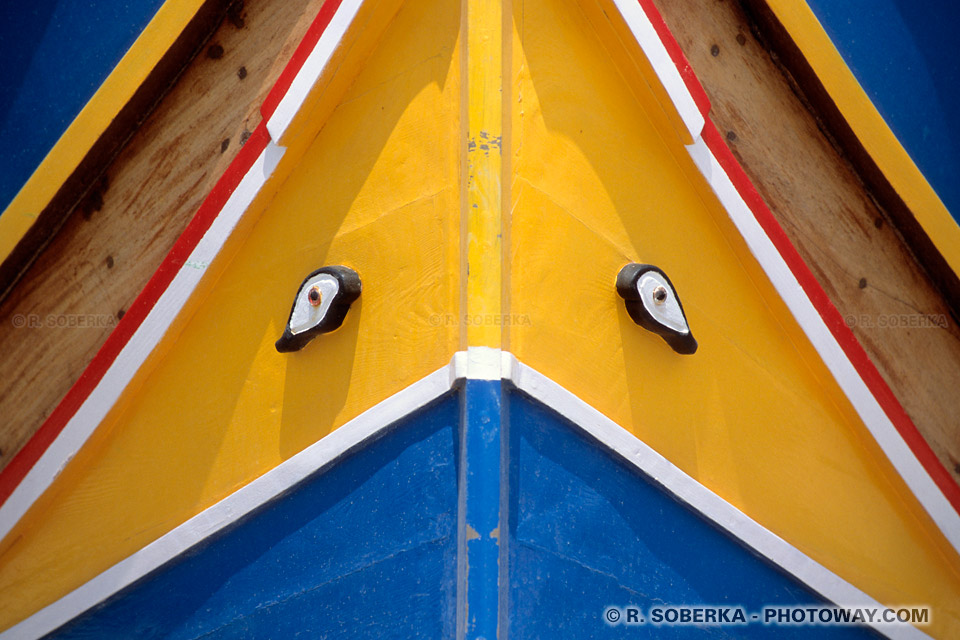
x=56 y=55
x=383 y=543
x=367 y=549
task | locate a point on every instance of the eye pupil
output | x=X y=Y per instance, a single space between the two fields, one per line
x=314 y=295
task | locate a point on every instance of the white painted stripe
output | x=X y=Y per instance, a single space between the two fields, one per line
x=685 y=488
x=368 y=424
x=783 y=279
x=667 y=72
x=483 y=363
x=846 y=375
x=93 y=410
x=224 y=513
x=313 y=67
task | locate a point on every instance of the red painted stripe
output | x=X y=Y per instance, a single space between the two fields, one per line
x=21 y=464
x=676 y=54
x=824 y=306
x=832 y=318
x=299 y=57
x=11 y=476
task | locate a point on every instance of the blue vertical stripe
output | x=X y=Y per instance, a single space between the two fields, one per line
x=479 y=567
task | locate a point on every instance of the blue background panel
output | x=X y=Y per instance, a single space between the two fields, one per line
x=365 y=550
x=588 y=532
x=902 y=53
x=56 y=54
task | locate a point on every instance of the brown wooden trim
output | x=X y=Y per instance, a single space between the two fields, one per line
x=85 y=185
x=773 y=35
x=830 y=212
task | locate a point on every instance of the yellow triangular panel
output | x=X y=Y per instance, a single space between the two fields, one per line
x=377 y=189
x=598 y=182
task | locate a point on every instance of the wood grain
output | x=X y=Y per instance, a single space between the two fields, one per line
x=71 y=297
x=859 y=258
x=111 y=245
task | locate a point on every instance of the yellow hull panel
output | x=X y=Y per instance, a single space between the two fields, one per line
x=377 y=190
x=754 y=415
x=394 y=169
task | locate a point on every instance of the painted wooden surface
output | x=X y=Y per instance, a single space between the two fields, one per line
x=112 y=244
x=486 y=101
x=365 y=550
x=565 y=571
x=383 y=522
x=357 y=176
x=67 y=64
x=112 y=253
x=897 y=50
x=385 y=166
x=857 y=122
x=861 y=261
x=755 y=407
x=59 y=54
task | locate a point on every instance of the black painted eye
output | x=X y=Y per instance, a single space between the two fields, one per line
x=652 y=303
x=329 y=292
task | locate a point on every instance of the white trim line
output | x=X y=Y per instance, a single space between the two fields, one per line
x=865 y=403
x=368 y=424
x=229 y=510
x=688 y=490
x=121 y=371
x=313 y=67
x=483 y=363
x=847 y=377
x=663 y=65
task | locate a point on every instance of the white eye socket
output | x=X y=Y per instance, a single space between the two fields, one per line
x=313 y=302
x=660 y=301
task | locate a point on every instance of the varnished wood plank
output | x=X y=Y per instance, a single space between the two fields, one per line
x=61 y=311
x=859 y=258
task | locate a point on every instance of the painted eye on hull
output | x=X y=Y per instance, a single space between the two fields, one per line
x=320 y=306
x=314 y=296
x=653 y=303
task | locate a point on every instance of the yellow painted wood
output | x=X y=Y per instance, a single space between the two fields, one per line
x=119 y=87
x=829 y=216
x=381 y=176
x=377 y=190
x=156 y=184
x=485 y=101
x=633 y=64
x=870 y=127
x=754 y=415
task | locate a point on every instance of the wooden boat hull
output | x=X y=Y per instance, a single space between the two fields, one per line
x=490 y=440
